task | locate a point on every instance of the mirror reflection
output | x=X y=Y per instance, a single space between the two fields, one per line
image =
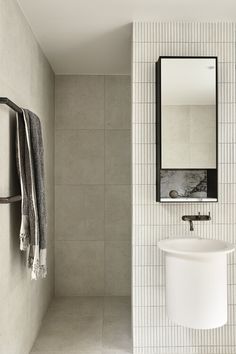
x=188 y=113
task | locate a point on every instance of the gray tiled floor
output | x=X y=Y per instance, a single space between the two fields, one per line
x=86 y=325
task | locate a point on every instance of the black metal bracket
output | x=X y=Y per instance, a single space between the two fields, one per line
x=8 y=200
x=9 y=103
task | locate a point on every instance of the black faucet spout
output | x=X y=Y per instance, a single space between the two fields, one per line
x=191 y=225
x=198 y=217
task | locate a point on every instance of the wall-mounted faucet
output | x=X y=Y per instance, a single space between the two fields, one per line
x=198 y=217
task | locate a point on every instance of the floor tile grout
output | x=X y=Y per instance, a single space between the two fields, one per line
x=110 y=311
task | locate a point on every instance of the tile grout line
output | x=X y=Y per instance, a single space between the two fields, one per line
x=104 y=202
x=105 y=130
x=150 y=340
x=103 y=311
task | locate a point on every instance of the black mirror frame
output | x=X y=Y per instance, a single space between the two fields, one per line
x=212 y=175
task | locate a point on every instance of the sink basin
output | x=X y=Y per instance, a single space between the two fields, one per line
x=196 y=281
x=195 y=246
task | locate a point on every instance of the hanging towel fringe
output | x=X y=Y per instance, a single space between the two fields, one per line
x=24 y=233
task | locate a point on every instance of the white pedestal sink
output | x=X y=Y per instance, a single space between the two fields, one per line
x=196 y=281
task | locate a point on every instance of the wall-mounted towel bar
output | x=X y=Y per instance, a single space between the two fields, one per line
x=9 y=103
x=8 y=200
x=12 y=105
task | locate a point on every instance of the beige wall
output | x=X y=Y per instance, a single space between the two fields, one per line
x=27 y=79
x=93 y=211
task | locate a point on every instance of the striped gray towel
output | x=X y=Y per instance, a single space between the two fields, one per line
x=30 y=163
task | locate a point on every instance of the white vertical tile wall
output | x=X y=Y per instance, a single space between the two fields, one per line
x=152 y=331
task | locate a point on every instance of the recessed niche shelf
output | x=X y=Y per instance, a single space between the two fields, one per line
x=188 y=185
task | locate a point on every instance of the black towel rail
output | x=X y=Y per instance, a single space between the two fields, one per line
x=12 y=105
x=9 y=103
x=8 y=200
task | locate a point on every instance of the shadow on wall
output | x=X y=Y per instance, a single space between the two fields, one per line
x=109 y=53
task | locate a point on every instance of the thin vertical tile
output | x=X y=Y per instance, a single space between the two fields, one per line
x=151 y=221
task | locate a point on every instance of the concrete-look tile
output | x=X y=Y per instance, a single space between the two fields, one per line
x=79 y=102
x=115 y=351
x=68 y=334
x=70 y=352
x=79 y=157
x=29 y=81
x=79 y=212
x=40 y=294
x=4 y=337
x=71 y=313
x=5 y=259
x=79 y=268
x=78 y=325
x=117 y=157
x=83 y=351
x=78 y=306
x=117 y=268
x=118 y=213
x=117 y=335
x=117 y=306
x=117 y=102
x=18 y=319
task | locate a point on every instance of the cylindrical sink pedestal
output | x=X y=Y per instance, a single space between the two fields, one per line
x=196 y=281
x=196 y=290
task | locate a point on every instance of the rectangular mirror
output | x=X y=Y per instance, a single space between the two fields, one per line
x=187 y=116
x=188 y=113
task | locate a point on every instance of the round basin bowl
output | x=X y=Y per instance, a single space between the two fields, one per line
x=195 y=246
x=196 y=281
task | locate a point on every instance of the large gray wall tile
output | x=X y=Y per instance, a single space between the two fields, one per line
x=79 y=212
x=79 y=157
x=82 y=162
x=117 y=306
x=117 y=102
x=117 y=212
x=117 y=268
x=79 y=306
x=79 y=102
x=79 y=268
x=117 y=157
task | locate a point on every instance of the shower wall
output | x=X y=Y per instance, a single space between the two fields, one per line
x=93 y=193
x=27 y=79
x=153 y=331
